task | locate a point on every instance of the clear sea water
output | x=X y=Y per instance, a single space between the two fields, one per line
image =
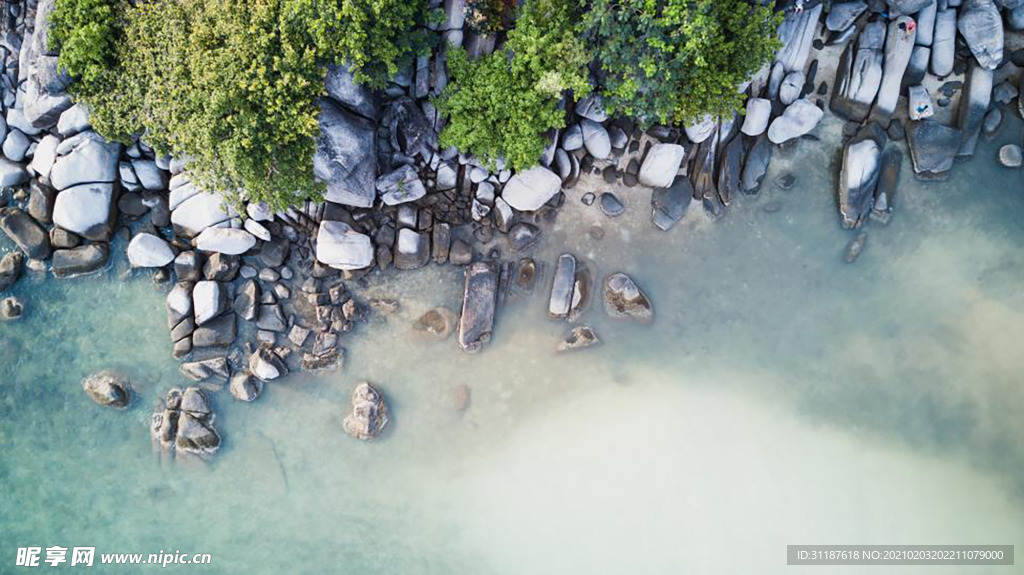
x=781 y=397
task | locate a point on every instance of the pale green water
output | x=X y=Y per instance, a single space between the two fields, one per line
x=781 y=397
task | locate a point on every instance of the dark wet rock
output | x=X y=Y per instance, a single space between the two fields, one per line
x=855 y=247
x=933 y=148
x=218 y=332
x=26 y=233
x=611 y=205
x=610 y=174
x=247 y=299
x=271 y=318
x=756 y=165
x=668 y=205
x=79 y=261
x=108 y=388
x=274 y=253
x=888 y=182
x=704 y=183
x=11 y=308
x=41 y=201
x=729 y=170
x=214 y=370
x=369 y=415
x=441 y=241
x=61 y=239
x=785 y=181
x=10 y=269
x=478 y=306
x=346 y=156
x=188 y=266
x=461 y=253
x=244 y=386
x=522 y=237
x=992 y=122
x=342 y=88
x=623 y=299
x=526 y=276
x=221 y=267
x=896 y=132
x=580 y=337
x=437 y=323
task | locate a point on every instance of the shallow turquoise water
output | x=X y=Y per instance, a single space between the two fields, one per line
x=781 y=397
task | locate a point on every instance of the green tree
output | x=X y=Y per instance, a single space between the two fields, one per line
x=678 y=60
x=234 y=84
x=86 y=32
x=500 y=105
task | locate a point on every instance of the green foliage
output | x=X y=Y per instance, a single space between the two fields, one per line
x=500 y=105
x=678 y=60
x=234 y=84
x=486 y=16
x=86 y=34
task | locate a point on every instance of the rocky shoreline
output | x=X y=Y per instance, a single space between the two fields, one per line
x=254 y=294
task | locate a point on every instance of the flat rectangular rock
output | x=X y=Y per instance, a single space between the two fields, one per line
x=562 y=287
x=478 y=306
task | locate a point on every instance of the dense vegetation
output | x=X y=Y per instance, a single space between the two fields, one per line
x=677 y=60
x=232 y=84
x=501 y=105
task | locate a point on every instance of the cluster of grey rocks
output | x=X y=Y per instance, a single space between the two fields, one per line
x=254 y=294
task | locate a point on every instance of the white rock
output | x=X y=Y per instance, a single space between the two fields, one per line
x=229 y=241
x=529 y=190
x=791 y=87
x=86 y=210
x=149 y=251
x=595 y=138
x=661 y=165
x=209 y=300
x=799 y=119
x=46 y=154
x=700 y=131
x=259 y=211
x=85 y=158
x=759 y=112
x=200 y=211
x=341 y=247
x=15 y=146
x=74 y=120
x=1010 y=156
x=257 y=229
x=150 y=176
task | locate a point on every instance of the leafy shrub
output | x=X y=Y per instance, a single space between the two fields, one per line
x=86 y=33
x=677 y=60
x=500 y=105
x=234 y=84
x=486 y=16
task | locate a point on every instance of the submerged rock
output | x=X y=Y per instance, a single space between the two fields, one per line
x=10 y=269
x=859 y=175
x=26 y=233
x=108 y=388
x=1010 y=156
x=437 y=323
x=79 y=261
x=581 y=337
x=245 y=387
x=369 y=415
x=855 y=246
x=11 y=308
x=623 y=299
